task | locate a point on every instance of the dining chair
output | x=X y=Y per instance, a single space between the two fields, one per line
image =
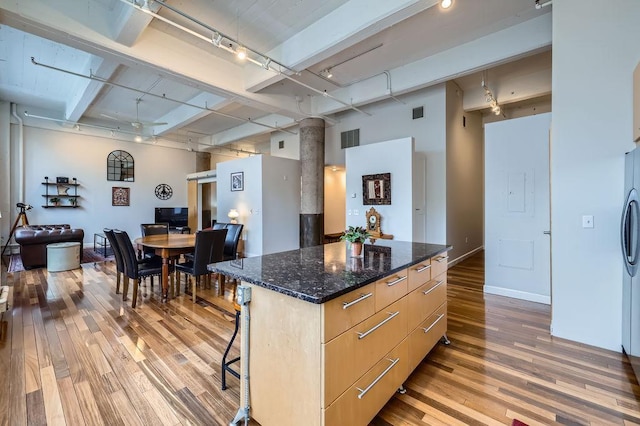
x=152 y=229
x=109 y=233
x=135 y=269
x=234 y=231
x=209 y=248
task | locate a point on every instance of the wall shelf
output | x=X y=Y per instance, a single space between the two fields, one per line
x=60 y=191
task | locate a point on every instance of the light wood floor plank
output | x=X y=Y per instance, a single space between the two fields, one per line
x=51 y=396
x=100 y=362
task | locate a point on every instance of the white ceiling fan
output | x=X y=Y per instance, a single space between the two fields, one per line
x=137 y=124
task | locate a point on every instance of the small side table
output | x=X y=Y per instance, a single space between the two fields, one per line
x=63 y=256
x=100 y=241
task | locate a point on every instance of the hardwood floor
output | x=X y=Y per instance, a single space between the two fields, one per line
x=73 y=353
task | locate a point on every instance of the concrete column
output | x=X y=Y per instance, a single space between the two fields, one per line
x=312 y=180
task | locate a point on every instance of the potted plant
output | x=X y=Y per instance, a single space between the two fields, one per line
x=356 y=235
x=73 y=201
x=54 y=201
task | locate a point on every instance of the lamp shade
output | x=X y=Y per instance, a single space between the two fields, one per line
x=233 y=215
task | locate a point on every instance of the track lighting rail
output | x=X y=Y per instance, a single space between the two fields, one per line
x=217 y=39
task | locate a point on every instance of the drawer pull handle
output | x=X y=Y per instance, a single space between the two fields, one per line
x=362 y=297
x=396 y=281
x=426 y=330
x=424 y=268
x=392 y=315
x=364 y=391
x=432 y=288
x=441 y=258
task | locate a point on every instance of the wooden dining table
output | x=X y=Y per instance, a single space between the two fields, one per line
x=168 y=246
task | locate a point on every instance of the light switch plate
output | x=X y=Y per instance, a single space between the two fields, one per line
x=587 y=221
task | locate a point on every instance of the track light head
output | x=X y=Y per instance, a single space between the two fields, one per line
x=217 y=38
x=241 y=52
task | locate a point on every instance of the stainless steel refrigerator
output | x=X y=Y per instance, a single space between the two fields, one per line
x=630 y=239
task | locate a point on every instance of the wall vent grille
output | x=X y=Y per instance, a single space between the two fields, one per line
x=350 y=138
x=418 y=112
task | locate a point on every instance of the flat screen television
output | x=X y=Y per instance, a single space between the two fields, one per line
x=174 y=216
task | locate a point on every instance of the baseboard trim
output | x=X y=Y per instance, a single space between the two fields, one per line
x=517 y=294
x=465 y=256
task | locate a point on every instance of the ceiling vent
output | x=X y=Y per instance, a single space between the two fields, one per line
x=418 y=112
x=350 y=138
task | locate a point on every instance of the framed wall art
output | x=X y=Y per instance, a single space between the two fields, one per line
x=376 y=189
x=119 y=196
x=237 y=181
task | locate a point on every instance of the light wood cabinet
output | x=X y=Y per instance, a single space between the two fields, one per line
x=353 y=353
x=343 y=312
x=636 y=103
x=339 y=362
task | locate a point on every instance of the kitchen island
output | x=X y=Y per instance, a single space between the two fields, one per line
x=331 y=336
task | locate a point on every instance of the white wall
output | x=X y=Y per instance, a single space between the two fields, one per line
x=5 y=177
x=244 y=201
x=465 y=173
x=393 y=157
x=55 y=153
x=269 y=205
x=280 y=204
x=392 y=120
x=594 y=54
x=291 y=147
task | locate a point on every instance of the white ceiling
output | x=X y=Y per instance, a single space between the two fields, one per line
x=207 y=94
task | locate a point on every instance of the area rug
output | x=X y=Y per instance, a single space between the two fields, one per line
x=517 y=422
x=88 y=256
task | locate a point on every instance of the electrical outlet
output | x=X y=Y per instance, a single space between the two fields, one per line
x=243 y=294
x=356 y=212
x=587 y=221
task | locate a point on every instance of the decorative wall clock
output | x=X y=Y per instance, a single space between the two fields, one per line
x=164 y=191
x=373 y=223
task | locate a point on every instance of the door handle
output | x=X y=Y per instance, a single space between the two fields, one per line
x=547 y=232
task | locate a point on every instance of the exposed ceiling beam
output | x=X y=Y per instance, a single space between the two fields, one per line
x=485 y=52
x=247 y=130
x=510 y=90
x=85 y=91
x=349 y=24
x=129 y=25
x=184 y=114
x=181 y=60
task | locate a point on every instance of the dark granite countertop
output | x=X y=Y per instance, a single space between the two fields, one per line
x=321 y=273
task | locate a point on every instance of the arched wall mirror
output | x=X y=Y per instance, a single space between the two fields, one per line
x=120 y=166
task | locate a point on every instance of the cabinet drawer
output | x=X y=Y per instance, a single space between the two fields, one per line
x=391 y=288
x=342 y=313
x=362 y=401
x=423 y=338
x=419 y=274
x=350 y=355
x=439 y=264
x=422 y=302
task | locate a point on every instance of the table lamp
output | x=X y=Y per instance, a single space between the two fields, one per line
x=233 y=215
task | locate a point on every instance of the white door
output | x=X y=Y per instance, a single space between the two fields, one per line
x=517 y=218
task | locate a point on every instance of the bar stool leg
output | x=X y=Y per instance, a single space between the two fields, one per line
x=226 y=365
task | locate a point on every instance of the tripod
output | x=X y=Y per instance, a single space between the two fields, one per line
x=21 y=216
